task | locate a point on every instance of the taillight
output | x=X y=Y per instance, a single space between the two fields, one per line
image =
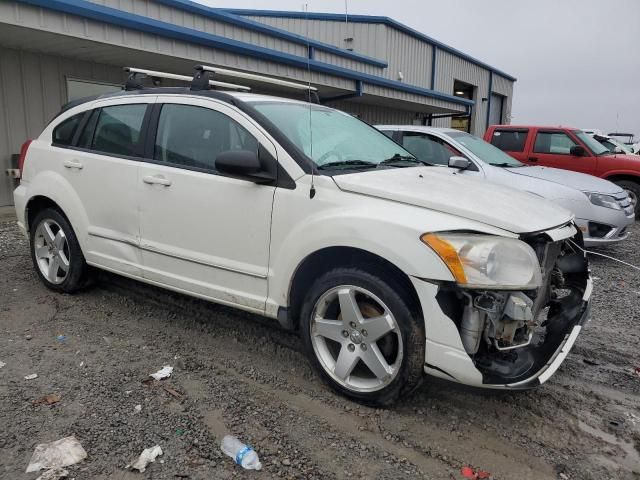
x=23 y=154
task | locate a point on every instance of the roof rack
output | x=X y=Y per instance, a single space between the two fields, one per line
x=202 y=79
x=137 y=74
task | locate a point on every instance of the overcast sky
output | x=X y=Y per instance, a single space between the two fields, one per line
x=577 y=61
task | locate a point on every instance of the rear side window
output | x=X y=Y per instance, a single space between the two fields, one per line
x=429 y=149
x=509 y=140
x=193 y=136
x=64 y=132
x=557 y=143
x=118 y=129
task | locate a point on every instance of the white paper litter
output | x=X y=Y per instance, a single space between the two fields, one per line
x=164 y=372
x=137 y=408
x=61 y=453
x=31 y=377
x=147 y=456
x=53 y=474
x=2 y=364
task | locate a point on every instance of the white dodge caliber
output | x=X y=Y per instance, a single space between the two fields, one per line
x=387 y=269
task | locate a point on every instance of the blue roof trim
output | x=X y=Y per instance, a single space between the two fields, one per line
x=226 y=17
x=370 y=19
x=114 y=16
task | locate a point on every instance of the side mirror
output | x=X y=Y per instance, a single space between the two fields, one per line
x=460 y=163
x=577 y=151
x=243 y=164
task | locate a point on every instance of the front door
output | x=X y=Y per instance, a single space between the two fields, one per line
x=203 y=232
x=552 y=148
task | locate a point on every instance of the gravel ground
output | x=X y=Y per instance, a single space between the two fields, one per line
x=239 y=374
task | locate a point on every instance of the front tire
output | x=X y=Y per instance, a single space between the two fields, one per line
x=633 y=189
x=363 y=335
x=56 y=253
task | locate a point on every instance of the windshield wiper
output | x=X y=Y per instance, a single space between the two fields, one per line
x=400 y=159
x=347 y=164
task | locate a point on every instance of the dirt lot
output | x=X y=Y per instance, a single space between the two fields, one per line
x=238 y=373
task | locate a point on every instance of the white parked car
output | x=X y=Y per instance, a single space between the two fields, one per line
x=603 y=210
x=388 y=269
x=614 y=145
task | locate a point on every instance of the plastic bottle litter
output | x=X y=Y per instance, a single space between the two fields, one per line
x=242 y=454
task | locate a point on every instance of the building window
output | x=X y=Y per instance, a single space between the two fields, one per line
x=85 y=88
x=462 y=90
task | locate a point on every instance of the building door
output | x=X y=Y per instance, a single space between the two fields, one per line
x=496 y=110
x=463 y=90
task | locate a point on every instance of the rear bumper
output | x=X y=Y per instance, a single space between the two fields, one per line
x=20 y=202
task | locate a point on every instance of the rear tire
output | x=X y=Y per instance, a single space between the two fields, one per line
x=374 y=352
x=633 y=189
x=56 y=253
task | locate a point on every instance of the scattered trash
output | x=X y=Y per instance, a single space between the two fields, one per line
x=637 y=371
x=81 y=364
x=172 y=392
x=2 y=364
x=48 y=399
x=61 y=338
x=470 y=473
x=28 y=337
x=107 y=340
x=61 y=453
x=53 y=474
x=31 y=377
x=147 y=456
x=179 y=432
x=616 y=424
x=128 y=392
x=137 y=409
x=589 y=361
x=242 y=454
x=164 y=372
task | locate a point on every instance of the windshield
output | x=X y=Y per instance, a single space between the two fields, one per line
x=335 y=139
x=592 y=144
x=485 y=151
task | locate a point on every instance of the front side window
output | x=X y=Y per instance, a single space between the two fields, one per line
x=118 y=129
x=193 y=136
x=509 y=140
x=557 y=143
x=429 y=149
x=64 y=132
x=331 y=138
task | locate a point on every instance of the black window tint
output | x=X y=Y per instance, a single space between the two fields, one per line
x=557 y=143
x=118 y=129
x=194 y=136
x=427 y=148
x=63 y=133
x=509 y=140
x=86 y=137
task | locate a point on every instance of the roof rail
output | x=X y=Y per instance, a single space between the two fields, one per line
x=137 y=74
x=257 y=78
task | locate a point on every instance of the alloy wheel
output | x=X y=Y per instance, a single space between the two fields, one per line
x=51 y=251
x=356 y=338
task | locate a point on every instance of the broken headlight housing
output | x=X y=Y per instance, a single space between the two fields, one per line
x=487 y=261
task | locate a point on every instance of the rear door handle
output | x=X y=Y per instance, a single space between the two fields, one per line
x=156 y=180
x=533 y=159
x=73 y=164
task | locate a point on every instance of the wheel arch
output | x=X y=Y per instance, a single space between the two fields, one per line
x=36 y=204
x=623 y=176
x=328 y=258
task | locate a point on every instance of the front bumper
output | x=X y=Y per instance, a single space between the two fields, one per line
x=618 y=222
x=445 y=356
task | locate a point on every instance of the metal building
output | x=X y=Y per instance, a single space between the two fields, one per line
x=52 y=51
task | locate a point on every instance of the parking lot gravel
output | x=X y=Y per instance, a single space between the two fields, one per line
x=240 y=374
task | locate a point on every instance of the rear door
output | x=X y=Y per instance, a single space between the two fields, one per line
x=552 y=148
x=203 y=232
x=512 y=141
x=102 y=168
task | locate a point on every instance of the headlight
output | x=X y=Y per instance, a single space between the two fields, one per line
x=602 y=200
x=486 y=261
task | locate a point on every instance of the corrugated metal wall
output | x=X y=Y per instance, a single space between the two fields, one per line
x=504 y=87
x=374 y=114
x=32 y=90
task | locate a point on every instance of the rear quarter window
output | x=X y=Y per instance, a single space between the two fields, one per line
x=509 y=140
x=63 y=133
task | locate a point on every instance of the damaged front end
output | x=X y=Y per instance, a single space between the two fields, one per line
x=518 y=338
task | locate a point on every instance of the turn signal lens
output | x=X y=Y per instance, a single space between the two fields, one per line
x=447 y=253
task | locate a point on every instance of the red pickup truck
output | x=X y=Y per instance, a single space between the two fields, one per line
x=569 y=149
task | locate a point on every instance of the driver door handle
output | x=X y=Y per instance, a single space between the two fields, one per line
x=156 y=180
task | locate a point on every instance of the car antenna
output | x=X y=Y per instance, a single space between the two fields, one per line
x=312 y=191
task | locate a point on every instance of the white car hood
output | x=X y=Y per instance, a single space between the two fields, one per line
x=579 y=181
x=445 y=191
